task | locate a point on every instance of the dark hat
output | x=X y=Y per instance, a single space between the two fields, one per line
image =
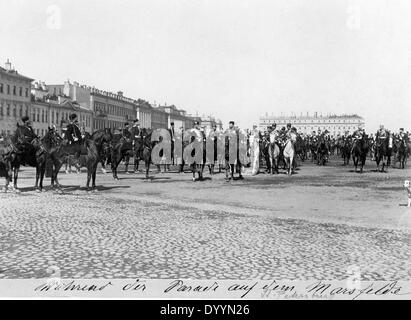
x=73 y=116
x=136 y=120
x=196 y=122
x=401 y=129
x=231 y=122
x=274 y=124
x=171 y=123
x=25 y=118
x=288 y=124
x=126 y=124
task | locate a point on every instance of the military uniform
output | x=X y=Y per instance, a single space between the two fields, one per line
x=73 y=133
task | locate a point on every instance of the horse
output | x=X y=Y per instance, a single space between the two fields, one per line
x=346 y=151
x=322 y=152
x=381 y=152
x=89 y=152
x=274 y=155
x=400 y=146
x=289 y=152
x=121 y=148
x=265 y=152
x=27 y=153
x=300 y=148
x=360 y=151
x=143 y=148
x=5 y=166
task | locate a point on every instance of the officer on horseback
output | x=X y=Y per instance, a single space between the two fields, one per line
x=73 y=132
x=136 y=137
x=381 y=133
x=28 y=133
x=126 y=132
x=401 y=135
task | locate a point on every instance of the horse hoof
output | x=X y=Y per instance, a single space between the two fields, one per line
x=194 y=179
x=38 y=190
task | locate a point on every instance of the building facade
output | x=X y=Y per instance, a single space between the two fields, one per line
x=110 y=110
x=15 y=98
x=159 y=119
x=335 y=124
x=54 y=110
x=208 y=121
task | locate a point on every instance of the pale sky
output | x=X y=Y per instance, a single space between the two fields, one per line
x=234 y=59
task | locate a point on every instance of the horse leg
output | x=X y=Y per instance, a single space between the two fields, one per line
x=36 y=186
x=94 y=176
x=193 y=170
x=147 y=168
x=16 y=175
x=89 y=169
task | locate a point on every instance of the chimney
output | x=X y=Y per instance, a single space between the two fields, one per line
x=120 y=93
x=8 y=65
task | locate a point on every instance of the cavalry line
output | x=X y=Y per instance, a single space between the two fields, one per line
x=329 y=194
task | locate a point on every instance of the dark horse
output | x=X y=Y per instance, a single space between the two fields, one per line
x=381 y=152
x=27 y=153
x=121 y=148
x=143 y=148
x=401 y=146
x=322 y=151
x=89 y=152
x=360 y=151
x=5 y=165
x=345 y=149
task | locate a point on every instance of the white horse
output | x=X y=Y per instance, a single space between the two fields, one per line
x=289 y=152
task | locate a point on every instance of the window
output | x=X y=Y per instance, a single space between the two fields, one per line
x=38 y=116
x=1 y=88
x=8 y=89
x=21 y=111
x=14 y=90
x=42 y=115
x=1 y=109
x=20 y=91
x=27 y=92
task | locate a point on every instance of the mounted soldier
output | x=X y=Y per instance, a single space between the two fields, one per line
x=357 y=135
x=173 y=139
x=73 y=132
x=137 y=143
x=28 y=132
x=382 y=133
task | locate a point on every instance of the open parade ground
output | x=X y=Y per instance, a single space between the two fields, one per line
x=320 y=223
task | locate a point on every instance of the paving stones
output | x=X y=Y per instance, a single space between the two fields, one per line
x=104 y=235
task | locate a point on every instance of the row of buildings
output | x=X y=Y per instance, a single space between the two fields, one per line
x=49 y=105
x=335 y=124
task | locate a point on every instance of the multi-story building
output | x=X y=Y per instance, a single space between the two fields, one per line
x=159 y=118
x=48 y=110
x=335 y=124
x=175 y=115
x=110 y=110
x=14 y=98
x=208 y=121
x=143 y=112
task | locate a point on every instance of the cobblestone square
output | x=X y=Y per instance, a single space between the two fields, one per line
x=317 y=224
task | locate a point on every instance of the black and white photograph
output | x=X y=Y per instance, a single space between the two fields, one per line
x=204 y=149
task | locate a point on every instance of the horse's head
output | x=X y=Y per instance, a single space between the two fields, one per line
x=51 y=138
